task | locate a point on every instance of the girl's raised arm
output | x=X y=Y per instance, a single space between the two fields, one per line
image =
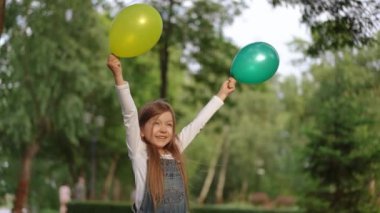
x=129 y=110
x=189 y=132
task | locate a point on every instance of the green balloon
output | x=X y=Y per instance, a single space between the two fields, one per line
x=255 y=63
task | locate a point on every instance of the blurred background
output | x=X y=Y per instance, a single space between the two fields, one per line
x=307 y=140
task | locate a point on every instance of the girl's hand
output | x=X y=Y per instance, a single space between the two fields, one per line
x=113 y=63
x=227 y=88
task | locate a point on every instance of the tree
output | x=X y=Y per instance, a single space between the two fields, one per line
x=337 y=24
x=48 y=72
x=255 y=141
x=2 y=15
x=213 y=71
x=343 y=148
x=191 y=26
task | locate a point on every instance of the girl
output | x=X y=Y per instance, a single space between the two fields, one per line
x=155 y=149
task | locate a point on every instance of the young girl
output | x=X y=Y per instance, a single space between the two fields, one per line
x=154 y=147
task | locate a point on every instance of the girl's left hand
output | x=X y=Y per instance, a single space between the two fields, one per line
x=227 y=88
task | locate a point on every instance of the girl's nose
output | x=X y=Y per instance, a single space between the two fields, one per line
x=163 y=128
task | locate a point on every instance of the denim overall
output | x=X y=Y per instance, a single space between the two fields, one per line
x=174 y=200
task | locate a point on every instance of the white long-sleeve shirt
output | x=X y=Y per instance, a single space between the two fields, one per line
x=137 y=149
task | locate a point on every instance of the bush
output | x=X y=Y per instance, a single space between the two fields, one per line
x=111 y=207
x=99 y=207
x=235 y=209
x=259 y=199
x=49 y=211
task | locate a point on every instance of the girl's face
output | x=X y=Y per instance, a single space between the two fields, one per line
x=159 y=130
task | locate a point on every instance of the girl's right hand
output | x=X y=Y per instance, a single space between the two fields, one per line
x=114 y=65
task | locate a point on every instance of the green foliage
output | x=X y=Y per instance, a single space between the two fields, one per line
x=340 y=156
x=51 y=71
x=52 y=79
x=224 y=209
x=191 y=28
x=338 y=24
x=49 y=211
x=262 y=142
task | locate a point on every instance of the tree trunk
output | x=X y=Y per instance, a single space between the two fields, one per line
x=116 y=192
x=372 y=187
x=244 y=190
x=110 y=178
x=210 y=175
x=23 y=185
x=222 y=172
x=2 y=15
x=164 y=51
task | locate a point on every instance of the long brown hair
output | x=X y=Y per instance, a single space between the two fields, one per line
x=155 y=178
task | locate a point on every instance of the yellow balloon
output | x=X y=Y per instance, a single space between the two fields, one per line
x=135 y=30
